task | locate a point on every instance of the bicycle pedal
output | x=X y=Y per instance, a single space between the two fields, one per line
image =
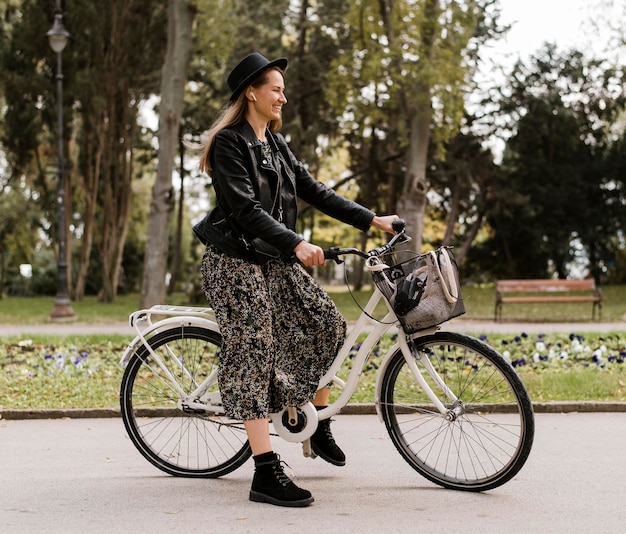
x=307 y=450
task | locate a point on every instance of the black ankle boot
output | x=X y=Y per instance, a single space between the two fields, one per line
x=270 y=484
x=323 y=443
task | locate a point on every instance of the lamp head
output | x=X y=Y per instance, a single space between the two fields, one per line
x=58 y=35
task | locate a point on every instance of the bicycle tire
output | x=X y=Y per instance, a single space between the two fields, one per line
x=180 y=442
x=486 y=441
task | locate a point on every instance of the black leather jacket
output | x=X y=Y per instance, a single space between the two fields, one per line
x=244 y=185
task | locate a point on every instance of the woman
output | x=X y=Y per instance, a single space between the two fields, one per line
x=280 y=330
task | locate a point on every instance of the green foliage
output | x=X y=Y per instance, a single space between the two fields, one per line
x=403 y=56
x=554 y=192
x=358 y=70
x=461 y=183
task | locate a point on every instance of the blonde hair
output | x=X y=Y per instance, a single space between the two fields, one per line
x=233 y=114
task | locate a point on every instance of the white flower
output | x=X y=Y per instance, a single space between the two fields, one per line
x=506 y=355
x=540 y=346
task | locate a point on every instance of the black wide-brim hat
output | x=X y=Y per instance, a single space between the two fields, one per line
x=248 y=69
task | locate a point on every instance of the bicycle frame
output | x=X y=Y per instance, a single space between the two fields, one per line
x=199 y=399
x=180 y=316
x=379 y=328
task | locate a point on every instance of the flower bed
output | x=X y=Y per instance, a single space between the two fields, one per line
x=77 y=372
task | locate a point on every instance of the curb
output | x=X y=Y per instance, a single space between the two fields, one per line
x=350 y=409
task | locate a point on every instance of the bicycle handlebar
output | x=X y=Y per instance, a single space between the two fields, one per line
x=398 y=226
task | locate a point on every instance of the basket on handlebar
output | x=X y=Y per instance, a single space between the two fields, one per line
x=423 y=291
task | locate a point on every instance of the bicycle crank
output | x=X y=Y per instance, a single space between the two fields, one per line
x=295 y=424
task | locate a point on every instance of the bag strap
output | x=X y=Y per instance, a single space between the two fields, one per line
x=450 y=274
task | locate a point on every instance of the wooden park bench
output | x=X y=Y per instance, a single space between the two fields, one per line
x=548 y=291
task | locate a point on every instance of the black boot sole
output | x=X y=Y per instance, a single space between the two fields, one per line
x=255 y=496
x=323 y=456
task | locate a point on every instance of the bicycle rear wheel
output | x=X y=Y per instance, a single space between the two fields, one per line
x=486 y=435
x=177 y=440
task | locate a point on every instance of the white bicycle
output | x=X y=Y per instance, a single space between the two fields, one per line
x=454 y=408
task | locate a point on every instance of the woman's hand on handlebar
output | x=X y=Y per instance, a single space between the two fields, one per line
x=309 y=255
x=384 y=223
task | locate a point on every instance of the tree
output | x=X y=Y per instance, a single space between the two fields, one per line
x=29 y=126
x=555 y=190
x=124 y=74
x=462 y=184
x=403 y=80
x=173 y=80
x=109 y=68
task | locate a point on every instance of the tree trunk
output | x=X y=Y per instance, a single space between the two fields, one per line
x=2 y=270
x=469 y=238
x=415 y=101
x=116 y=200
x=90 y=181
x=453 y=213
x=176 y=255
x=173 y=79
x=412 y=203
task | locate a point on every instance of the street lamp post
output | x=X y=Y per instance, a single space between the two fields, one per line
x=62 y=311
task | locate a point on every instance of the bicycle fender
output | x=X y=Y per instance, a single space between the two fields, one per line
x=379 y=378
x=165 y=324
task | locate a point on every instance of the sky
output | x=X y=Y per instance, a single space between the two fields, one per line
x=565 y=22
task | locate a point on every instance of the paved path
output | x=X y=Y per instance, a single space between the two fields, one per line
x=456 y=325
x=84 y=476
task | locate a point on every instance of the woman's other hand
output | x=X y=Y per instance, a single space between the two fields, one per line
x=384 y=223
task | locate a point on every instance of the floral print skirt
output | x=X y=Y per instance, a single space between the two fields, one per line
x=280 y=333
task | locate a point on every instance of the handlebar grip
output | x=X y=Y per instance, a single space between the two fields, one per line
x=333 y=253
x=398 y=225
x=330 y=253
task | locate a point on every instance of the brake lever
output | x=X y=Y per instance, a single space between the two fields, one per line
x=332 y=253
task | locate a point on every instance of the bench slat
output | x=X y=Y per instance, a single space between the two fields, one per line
x=537 y=298
x=545 y=285
x=522 y=291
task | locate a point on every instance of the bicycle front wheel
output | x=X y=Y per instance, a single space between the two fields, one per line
x=177 y=440
x=485 y=435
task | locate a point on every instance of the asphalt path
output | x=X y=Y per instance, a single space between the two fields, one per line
x=455 y=325
x=85 y=476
